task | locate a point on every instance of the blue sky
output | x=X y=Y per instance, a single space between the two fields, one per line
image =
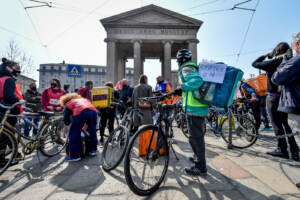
x=68 y=33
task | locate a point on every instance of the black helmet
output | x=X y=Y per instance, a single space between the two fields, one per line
x=183 y=56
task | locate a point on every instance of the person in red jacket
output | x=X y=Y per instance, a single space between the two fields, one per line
x=82 y=112
x=85 y=92
x=51 y=96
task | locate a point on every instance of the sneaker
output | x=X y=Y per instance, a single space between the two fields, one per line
x=70 y=159
x=279 y=153
x=194 y=171
x=295 y=156
x=298 y=185
x=93 y=153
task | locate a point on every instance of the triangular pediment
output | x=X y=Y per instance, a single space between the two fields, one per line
x=151 y=15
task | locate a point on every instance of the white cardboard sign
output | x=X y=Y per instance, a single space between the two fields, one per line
x=212 y=72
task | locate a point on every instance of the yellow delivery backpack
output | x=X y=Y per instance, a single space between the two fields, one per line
x=102 y=97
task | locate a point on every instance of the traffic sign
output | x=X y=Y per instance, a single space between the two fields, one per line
x=74 y=70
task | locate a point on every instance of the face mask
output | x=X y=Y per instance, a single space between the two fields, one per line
x=33 y=88
x=15 y=73
x=53 y=85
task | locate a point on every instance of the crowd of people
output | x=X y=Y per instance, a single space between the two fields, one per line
x=281 y=102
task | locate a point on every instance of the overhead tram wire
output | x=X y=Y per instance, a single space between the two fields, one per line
x=15 y=33
x=35 y=29
x=200 y=5
x=247 y=31
x=32 y=23
x=75 y=23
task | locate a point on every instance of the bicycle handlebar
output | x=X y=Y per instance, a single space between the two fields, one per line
x=157 y=97
x=12 y=106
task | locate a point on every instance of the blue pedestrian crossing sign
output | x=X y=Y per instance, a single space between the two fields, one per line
x=74 y=70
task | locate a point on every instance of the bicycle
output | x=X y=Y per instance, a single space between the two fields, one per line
x=117 y=142
x=152 y=151
x=244 y=133
x=11 y=136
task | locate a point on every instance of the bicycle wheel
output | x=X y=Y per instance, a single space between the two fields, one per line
x=244 y=133
x=183 y=125
x=115 y=148
x=53 y=138
x=7 y=150
x=145 y=168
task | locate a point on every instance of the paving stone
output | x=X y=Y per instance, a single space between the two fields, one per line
x=273 y=179
x=253 y=189
x=108 y=197
x=113 y=184
x=39 y=190
x=215 y=181
x=225 y=195
x=86 y=177
x=67 y=195
x=229 y=168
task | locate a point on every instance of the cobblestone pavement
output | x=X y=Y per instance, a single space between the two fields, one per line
x=232 y=174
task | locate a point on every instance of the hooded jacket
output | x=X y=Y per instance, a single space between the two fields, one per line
x=9 y=97
x=288 y=75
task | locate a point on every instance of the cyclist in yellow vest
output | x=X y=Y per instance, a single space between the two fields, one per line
x=190 y=81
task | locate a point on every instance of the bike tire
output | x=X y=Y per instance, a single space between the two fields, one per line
x=56 y=127
x=184 y=126
x=135 y=187
x=7 y=139
x=245 y=124
x=109 y=143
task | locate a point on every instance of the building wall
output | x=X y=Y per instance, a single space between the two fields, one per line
x=24 y=82
x=95 y=73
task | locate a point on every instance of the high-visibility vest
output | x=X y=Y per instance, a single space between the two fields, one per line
x=18 y=91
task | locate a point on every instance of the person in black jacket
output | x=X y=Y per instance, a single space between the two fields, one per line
x=125 y=95
x=279 y=119
x=107 y=114
x=10 y=70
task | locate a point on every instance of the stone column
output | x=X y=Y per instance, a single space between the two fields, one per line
x=167 y=59
x=162 y=66
x=121 y=68
x=111 y=60
x=137 y=60
x=192 y=46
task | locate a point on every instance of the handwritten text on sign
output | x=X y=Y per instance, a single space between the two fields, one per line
x=212 y=72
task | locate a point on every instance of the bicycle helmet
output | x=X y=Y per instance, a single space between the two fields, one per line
x=183 y=56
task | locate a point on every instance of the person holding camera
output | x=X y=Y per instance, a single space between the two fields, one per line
x=279 y=119
x=288 y=76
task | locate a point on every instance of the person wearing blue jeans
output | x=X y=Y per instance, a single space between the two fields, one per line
x=27 y=127
x=82 y=112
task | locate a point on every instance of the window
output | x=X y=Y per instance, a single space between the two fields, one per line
x=59 y=68
x=43 y=73
x=63 y=68
x=51 y=67
x=55 y=67
x=85 y=69
x=99 y=70
x=47 y=67
x=93 y=69
x=43 y=86
x=127 y=71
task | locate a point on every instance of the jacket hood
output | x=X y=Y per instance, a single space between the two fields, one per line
x=3 y=71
